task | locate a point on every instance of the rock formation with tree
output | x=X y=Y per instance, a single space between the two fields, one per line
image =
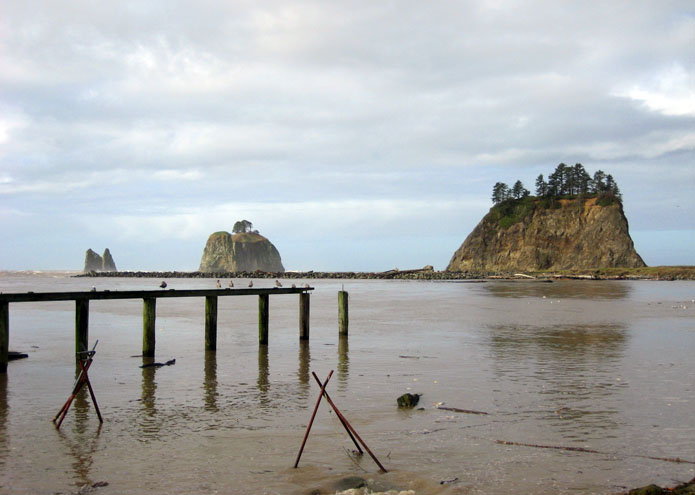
x=538 y=234
x=244 y=251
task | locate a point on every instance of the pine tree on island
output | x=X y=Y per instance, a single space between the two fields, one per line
x=564 y=182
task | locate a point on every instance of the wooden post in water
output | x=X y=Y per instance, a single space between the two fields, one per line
x=343 y=316
x=4 y=335
x=210 y=323
x=304 y=299
x=81 y=324
x=149 y=311
x=263 y=313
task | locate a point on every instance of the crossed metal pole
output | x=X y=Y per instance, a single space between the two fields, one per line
x=354 y=436
x=85 y=359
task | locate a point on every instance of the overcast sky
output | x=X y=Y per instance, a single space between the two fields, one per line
x=355 y=135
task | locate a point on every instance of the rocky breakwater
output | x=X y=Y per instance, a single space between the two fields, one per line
x=241 y=252
x=532 y=234
x=427 y=273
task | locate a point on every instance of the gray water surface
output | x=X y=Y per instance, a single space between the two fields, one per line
x=601 y=367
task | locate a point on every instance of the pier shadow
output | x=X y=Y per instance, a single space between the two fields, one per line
x=210 y=383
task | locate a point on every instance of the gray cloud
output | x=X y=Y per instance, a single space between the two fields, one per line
x=136 y=113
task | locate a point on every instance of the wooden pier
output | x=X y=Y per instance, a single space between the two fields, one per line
x=149 y=298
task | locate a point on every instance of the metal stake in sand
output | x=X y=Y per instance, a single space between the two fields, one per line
x=313 y=415
x=84 y=359
x=349 y=426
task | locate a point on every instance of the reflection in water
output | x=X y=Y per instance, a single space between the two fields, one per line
x=210 y=383
x=570 y=372
x=262 y=383
x=82 y=442
x=304 y=368
x=148 y=422
x=343 y=362
x=4 y=412
x=586 y=289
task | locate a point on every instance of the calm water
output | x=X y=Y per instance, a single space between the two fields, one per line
x=604 y=366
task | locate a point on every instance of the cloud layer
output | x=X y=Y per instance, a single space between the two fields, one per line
x=145 y=127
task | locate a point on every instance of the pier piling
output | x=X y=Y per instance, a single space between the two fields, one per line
x=343 y=317
x=81 y=324
x=304 y=310
x=263 y=315
x=4 y=335
x=149 y=311
x=210 y=323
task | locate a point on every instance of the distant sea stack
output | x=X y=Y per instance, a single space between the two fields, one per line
x=241 y=252
x=535 y=234
x=95 y=263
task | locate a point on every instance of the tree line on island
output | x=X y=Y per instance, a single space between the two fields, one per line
x=243 y=227
x=565 y=181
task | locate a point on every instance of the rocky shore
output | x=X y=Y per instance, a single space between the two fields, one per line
x=427 y=273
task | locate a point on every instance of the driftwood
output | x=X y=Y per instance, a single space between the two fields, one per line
x=159 y=365
x=464 y=411
x=592 y=451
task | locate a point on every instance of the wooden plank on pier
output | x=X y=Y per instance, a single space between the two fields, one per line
x=141 y=294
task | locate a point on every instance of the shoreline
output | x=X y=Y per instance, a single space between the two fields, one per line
x=667 y=273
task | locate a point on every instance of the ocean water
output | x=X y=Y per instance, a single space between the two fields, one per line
x=602 y=369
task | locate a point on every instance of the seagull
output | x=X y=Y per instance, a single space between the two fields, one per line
x=219 y=285
x=231 y=283
x=251 y=283
x=163 y=285
x=306 y=286
x=277 y=283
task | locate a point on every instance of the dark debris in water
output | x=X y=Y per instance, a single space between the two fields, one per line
x=682 y=489
x=159 y=365
x=408 y=400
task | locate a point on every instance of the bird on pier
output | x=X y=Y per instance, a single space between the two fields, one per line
x=306 y=286
x=219 y=285
x=277 y=283
x=163 y=285
x=251 y=283
x=294 y=286
x=231 y=283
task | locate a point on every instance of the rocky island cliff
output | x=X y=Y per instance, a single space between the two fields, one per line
x=95 y=263
x=535 y=234
x=241 y=252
